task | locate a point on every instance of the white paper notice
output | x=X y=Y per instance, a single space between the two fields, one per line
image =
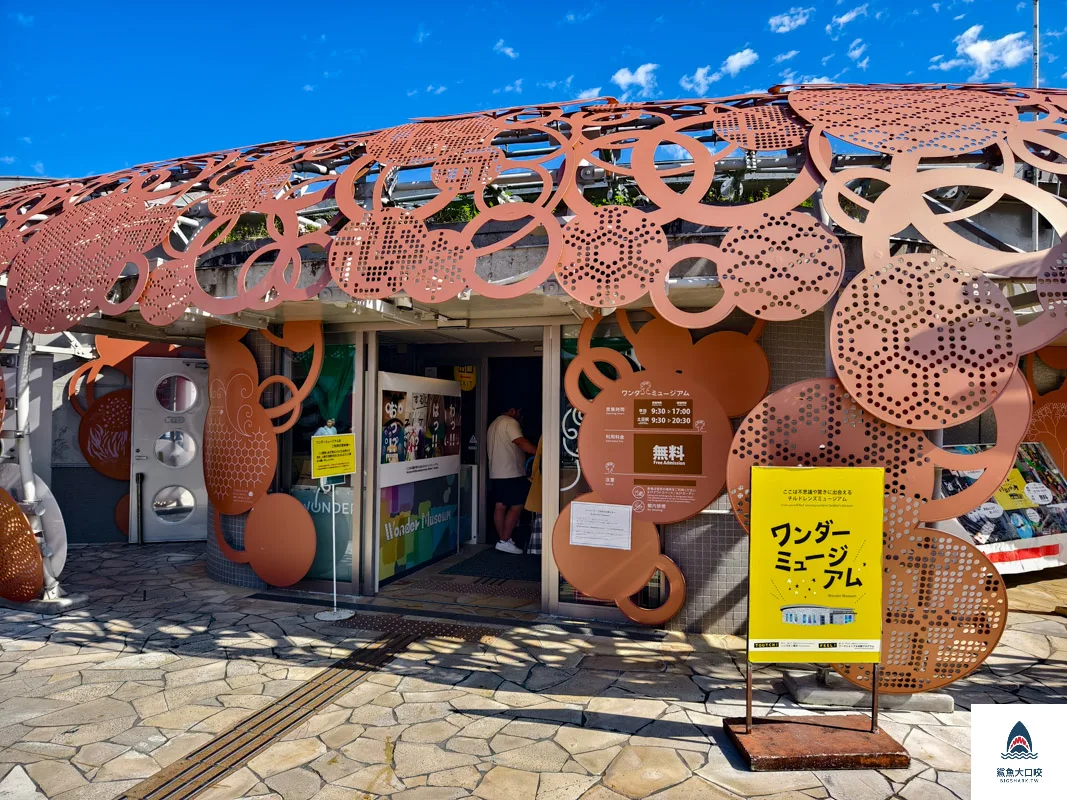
x=600 y=525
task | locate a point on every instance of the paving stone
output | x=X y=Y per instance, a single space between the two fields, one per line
x=47 y=750
x=422 y=759
x=429 y=732
x=474 y=747
x=627 y=714
x=920 y=789
x=474 y=702
x=295 y=784
x=462 y=777
x=341 y=735
x=86 y=692
x=860 y=784
x=638 y=772
x=333 y=765
x=502 y=742
x=282 y=756
x=583 y=740
x=539 y=757
x=84 y=714
x=485 y=728
x=17 y=785
x=422 y=712
x=598 y=760
x=601 y=793
x=236 y=784
x=179 y=747
x=97 y=791
x=369 y=751
x=22 y=709
x=376 y=779
x=730 y=773
x=431 y=793
x=698 y=789
x=128 y=765
x=181 y=718
x=936 y=752
x=563 y=786
x=504 y=783
x=373 y=715
x=957 y=736
x=959 y=783
x=95 y=755
x=527 y=729
x=79 y=735
x=55 y=777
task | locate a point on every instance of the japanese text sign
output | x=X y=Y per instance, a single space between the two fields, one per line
x=333 y=455
x=815 y=564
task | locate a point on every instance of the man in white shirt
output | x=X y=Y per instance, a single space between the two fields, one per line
x=508 y=485
x=329 y=429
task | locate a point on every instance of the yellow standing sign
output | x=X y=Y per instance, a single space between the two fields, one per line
x=333 y=455
x=815 y=564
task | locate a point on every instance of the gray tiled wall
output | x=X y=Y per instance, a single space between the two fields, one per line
x=711 y=549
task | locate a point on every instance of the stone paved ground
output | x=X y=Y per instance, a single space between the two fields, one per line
x=158 y=664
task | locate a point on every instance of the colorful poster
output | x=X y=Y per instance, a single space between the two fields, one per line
x=421 y=419
x=1023 y=527
x=418 y=523
x=815 y=564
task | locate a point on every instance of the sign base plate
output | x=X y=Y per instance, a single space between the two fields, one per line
x=335 y=615
x=817 y=742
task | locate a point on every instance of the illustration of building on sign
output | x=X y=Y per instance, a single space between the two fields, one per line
x=817 y=615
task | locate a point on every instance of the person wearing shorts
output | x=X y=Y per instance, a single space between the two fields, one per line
x=508 y=485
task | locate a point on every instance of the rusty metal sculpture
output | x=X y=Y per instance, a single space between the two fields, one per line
x=241 y=452
x=1048 y=424
x=654 y=440
x=817 y=423
x=21 y=566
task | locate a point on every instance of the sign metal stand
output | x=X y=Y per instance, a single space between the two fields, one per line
x=332 y=458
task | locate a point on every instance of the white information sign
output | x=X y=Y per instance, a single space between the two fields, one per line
x=601 y=525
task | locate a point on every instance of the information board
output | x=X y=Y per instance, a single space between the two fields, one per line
x=815 y=564
x=333 y=455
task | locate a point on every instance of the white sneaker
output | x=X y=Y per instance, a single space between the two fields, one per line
x=508 y=547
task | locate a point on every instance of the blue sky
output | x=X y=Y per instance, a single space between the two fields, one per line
x=92 y=87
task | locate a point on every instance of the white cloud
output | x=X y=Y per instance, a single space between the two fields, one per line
x=856 y=49
x=699 y=81
x=986 y=56
x=738 y=61
x=308 y=87
x=958 y=17
x=515 y=87
x=791 y=77
x=573 y=17
x=413 y=92
x=643 y=79
x=7 y=159
x=421 y=35
x=936 y=7
x=937 y=58
x=843 y=20
x=778 y=59
x=790 y=20
x=703 y=77
x=588 y=94
x=826 y=59
x=864 y=64
x=38 y=167
x=431 y=89
x=503 y=49
x=564 y=84
x=24 y=20
x=26 y=140
x=1020 y=6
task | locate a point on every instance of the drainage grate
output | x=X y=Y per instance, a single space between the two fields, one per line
x=393 y=624
x=233 y=749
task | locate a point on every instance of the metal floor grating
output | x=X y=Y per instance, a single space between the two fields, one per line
x=232 y=749
x=420 y=628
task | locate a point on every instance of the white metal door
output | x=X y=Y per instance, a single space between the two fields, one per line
x=167 y=492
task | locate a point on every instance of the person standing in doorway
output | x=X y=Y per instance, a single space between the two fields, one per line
x=329 y=429
x=507 y=449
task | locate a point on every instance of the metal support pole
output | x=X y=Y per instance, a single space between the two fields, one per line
x=1034 y=220
x=333 y=540
x=874 y=699
x=748 y=695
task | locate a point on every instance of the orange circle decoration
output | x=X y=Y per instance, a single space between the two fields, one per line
x=927 y=122
x=783 y=266
x=923 y=343
x=104 y=434
x=372 y=256
x=945 y=610
x=611 y=256
x=280 y=539
x=21 y=566
x=122 y=514
x=655 y=441
x=614 y=575
x=439 y=275
x=769 y=127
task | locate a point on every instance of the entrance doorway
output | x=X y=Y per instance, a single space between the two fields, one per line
x=499 y=370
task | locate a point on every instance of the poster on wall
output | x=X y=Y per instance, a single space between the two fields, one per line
x=1023 y=527
x=815 y=564
x=418 y=469
x=317 y=504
